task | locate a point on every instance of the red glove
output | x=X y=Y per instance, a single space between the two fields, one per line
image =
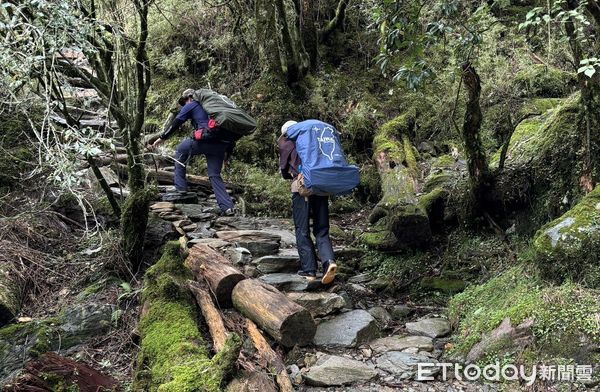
x=212 y=123
x=198 y=134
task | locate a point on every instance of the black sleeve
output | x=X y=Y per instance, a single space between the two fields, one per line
x=174 y=126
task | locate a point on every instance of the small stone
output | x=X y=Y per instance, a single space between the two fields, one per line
x=401 y=343
x=399 y=312
x=318 y=304
x=181 y=223
x=162 y=205
x=239 y=256
x=381 y=315
x=432 y=327
x=188 y=228
x=366 y=352
x=310 y=359
x=404 y=365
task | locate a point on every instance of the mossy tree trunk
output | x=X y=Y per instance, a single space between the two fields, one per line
x=400 y=221
x=295 y=61
x=479 y=173
x=589 y=86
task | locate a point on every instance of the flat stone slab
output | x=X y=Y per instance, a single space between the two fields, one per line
x=288 y=238
x=286 y=282
x=180 y=198
x=432 y=327
x=332 y=370
x=259 y=243
x=212 y=242
x=281 y=262
x=194 y=212
x=400 y=343
x=318 y=304
x=347 y=330
x=404 y=365
x=163 y=205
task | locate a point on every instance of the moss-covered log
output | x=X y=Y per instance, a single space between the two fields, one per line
x=400 y=221
x=173 y=354
x=568 y=247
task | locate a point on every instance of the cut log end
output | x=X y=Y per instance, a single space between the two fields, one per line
x=223 y=291
x=299 y=328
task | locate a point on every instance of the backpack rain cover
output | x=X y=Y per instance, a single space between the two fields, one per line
x=324 y=165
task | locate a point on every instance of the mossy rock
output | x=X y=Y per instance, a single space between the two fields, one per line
x=568 y=247
x=542 y=81
x=443 y=284
x=560 y=314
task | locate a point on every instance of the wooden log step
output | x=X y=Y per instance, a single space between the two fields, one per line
x=209 y=265
x=286 y=321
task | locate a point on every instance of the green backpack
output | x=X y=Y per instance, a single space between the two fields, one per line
x=224 y=114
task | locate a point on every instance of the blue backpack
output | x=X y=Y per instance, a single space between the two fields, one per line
x=324 y=167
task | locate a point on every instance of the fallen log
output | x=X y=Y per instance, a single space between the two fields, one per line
x=270 y=356
x=173 y=355
x=209 y=265
x=284 y=320
x=211 y=314
x=50 y=370
x=166 y=177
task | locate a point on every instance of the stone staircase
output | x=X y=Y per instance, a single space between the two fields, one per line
x=364 y=341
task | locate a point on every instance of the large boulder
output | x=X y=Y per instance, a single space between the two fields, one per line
x=568 y=247
x=347 y=330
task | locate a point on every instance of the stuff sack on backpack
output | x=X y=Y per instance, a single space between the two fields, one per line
x=324 y=166
x=225 y=114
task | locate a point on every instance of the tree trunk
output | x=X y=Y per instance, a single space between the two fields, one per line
x=295 y=56
x=337 y=22
x=270 y=356
x=286 y=321
x=209 y=265
x=476 y=159
x=105 y=187
x=399 y=219
x=211 y=314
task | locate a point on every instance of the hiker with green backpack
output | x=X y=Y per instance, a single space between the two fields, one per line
x=218 y=124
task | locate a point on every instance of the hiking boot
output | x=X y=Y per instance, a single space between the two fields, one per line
x=229 y=212
x=308 y=275
x=329 y=269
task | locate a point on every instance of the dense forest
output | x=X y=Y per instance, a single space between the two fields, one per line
x=472 y=238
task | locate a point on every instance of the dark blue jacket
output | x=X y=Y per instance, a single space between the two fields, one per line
x=190 y=111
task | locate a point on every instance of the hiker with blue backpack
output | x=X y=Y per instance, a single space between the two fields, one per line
x=310 y=155
x=218 y=123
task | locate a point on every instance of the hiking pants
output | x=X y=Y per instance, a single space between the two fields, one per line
x=317 y=209
x=215 y=155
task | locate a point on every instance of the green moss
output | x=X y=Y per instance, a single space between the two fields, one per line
x=173 y=354
x=568 y=247
x=446 y=285
x=542 y=81
x=382 y=240
x=433 y=202
x=559 y=313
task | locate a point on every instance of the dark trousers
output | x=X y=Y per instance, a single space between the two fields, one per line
x=317 y=209
x=215 y=155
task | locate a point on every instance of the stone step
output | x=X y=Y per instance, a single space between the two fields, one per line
x=284 y=261
x=432 y=327
x=290 y=282
x=318 y=304
x=257 y=242
x=347 y=330
x=404 y=365
x=401 y=343
x=331 y=370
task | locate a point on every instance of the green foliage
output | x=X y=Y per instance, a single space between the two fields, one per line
x=542 y=81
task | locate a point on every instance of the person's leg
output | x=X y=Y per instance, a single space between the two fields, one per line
x=319 y=206
x=183 y=153
x=306 y=248
x=214 y=161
